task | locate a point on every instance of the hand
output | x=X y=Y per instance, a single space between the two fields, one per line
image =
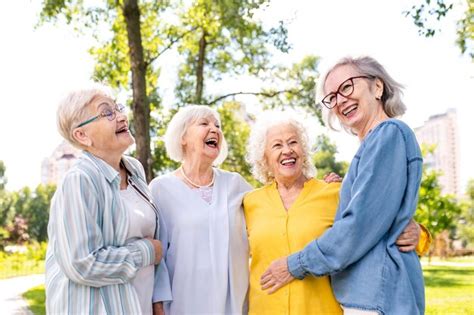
x=332 y=178
x=158 y=309
x=158 y=249
x=276 y=276
x=409 y=238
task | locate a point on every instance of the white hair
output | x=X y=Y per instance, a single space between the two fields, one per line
x=72 y=110
x=258 y=140
x=179 y=125
x=391 y=99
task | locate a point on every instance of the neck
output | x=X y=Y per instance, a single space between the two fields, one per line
x=373 y=122
x=295 y=183
x=111 y=159
x=198 y=172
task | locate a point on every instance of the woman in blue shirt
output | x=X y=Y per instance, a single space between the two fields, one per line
x=369 y=275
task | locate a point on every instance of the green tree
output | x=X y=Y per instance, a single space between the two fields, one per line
x=436 y=211
x=428 y=13
x=466 y=223
x=3 y=178
x=37 y=213
x=325 y=158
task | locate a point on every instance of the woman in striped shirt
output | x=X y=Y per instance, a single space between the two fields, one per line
x=102 y=250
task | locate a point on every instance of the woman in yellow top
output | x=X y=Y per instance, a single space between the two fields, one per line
x=290 y=211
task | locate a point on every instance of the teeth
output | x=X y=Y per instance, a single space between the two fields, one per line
x=349 y=109
x=287 y=161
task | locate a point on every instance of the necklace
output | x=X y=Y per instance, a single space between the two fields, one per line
x=193 y=183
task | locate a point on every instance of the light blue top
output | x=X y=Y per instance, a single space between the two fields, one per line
x=89 y=263
x=205 y=245
x=378 y=197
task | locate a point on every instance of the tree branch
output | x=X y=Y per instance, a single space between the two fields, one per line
x=265 y=94
x=170 y=45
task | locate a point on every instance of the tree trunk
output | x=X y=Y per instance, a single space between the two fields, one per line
x=200 y=68
x=140 y=105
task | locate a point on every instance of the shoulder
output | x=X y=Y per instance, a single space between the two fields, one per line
x=320 y=186
x=258 y=193
x=161 y=180
x=135 y=165
x=235 y=179
x=392 y=128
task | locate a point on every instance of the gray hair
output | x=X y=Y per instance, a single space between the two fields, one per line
x=72 y=110
x=258 y=139
x=392 y=103
x=179 y=125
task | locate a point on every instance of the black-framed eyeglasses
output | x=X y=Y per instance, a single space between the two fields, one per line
x=345 y=89
x=108 y=113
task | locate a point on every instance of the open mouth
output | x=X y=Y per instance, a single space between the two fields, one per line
x=212 y=142
x=121 y=130
x=351 y=109
x=288 y=162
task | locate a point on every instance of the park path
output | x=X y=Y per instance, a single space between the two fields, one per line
x=11 y=302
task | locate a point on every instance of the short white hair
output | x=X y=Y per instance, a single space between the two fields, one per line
x=258 y=141
x=179 y=125
x=391 y=99
x=72 y=110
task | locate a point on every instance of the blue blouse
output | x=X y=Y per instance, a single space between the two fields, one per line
x=378 y=198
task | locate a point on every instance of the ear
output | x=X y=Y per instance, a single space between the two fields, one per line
x=81 y=136
x=379 y=88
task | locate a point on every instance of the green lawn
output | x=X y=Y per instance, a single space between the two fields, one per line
x=449 y=291
x=35 y=299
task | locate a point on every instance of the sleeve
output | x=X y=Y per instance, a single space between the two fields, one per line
x=162 y=287
x=425 y=241
x=78 y=242
x=377 y=193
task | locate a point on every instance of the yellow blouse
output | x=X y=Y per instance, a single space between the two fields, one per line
x=274 y=233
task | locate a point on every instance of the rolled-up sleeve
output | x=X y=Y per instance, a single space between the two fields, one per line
x=376 y=197
x=78 y=242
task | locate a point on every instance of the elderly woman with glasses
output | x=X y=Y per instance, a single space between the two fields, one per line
x=291 y=210
x=103 y=226
x=369 y=275
x=205 y=244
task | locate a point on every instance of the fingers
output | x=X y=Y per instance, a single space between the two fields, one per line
x=406 y=248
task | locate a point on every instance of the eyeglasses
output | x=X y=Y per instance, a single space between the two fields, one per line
x=345 y=89
x=109 y=113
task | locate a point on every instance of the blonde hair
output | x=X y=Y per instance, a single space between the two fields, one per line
x=179 y=125
x=391 y=99
x=258 y=139
x=72 y=110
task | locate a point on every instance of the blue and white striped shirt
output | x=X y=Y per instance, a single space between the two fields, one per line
x=89 y=264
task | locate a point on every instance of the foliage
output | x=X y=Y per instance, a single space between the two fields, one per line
x=36 y=298
x=449 y=290
x=325 y=158
x=427 y=14
x=466 y=223
x=3 y=178
x=25 y=260
x=435 y=211
x=18 y=230
x=236 y=131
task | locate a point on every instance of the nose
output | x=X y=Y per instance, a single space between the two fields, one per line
x=340 y=99
x=287 y=149
x=120 y=116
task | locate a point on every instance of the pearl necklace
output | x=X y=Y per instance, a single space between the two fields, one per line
x=193 y=183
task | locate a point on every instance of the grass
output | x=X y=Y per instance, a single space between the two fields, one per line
x=35 y=298
x=27 y=262
x=449 y=290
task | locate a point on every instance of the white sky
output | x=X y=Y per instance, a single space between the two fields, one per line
x=37 y=68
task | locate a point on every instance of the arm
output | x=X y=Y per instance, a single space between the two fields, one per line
x=377 y=194
x=78 y=243
x=162 y=288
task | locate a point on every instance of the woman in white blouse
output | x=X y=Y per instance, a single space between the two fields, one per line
x=205 y=241
x=103 y=225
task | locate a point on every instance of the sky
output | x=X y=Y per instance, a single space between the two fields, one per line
x=38 y=66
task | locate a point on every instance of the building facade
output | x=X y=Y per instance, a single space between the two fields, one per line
x=442 y=131
x=55 y=167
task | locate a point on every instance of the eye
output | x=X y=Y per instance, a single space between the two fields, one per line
x=330 y=98
x=203 y=123
x=218 y=126
x=276 y=146
x=345 y=88
x=293 y=142
x=107 y=113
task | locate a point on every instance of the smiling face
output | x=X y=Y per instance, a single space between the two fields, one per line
x=103 y=136
x=202 y=139
x=358 y=110
x=284 y=153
